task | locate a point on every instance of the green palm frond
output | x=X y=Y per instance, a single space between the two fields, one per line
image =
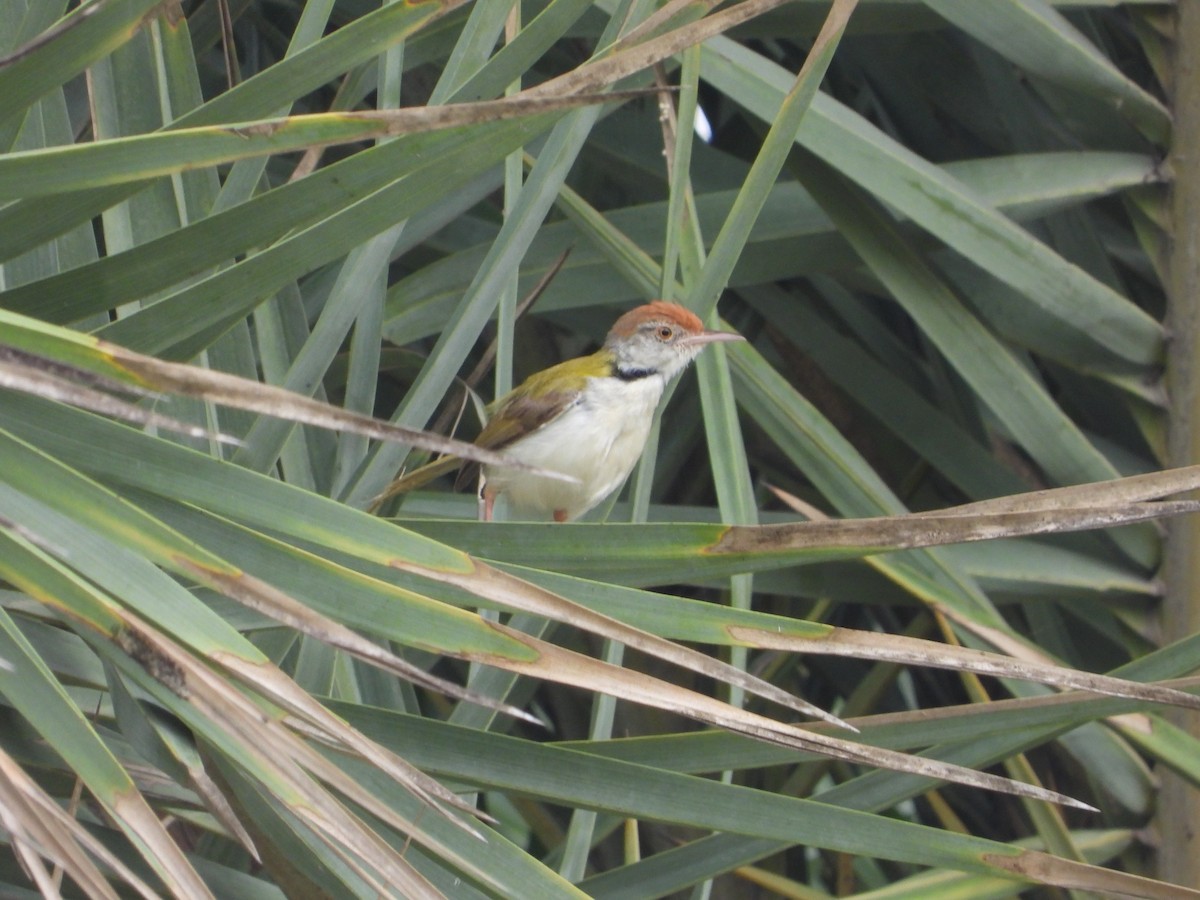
x=247 y=252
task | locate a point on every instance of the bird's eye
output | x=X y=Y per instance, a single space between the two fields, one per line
x=665 y=332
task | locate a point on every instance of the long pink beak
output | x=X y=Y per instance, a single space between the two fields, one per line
x=710 y=337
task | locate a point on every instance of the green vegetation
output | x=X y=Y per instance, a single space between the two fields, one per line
x=945 y=230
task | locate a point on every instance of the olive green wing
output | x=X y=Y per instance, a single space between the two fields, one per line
x=540 y=399
x=517 y=416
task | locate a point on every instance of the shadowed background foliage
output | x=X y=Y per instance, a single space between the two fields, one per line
x=946 y=230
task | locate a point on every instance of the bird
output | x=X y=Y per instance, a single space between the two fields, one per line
x=588 y=418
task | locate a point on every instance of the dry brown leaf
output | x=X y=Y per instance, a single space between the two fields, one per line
x=514 y=593
x=555 y=664
x=242 y=393
x=1046 y=869
x=595 y=675
x=38 y=829
x=883 y=534
x=37 y=379
x=914 y=651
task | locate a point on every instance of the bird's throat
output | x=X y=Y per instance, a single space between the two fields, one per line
x=634 y=374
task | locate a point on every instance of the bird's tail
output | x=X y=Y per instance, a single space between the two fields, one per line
x=417 y=478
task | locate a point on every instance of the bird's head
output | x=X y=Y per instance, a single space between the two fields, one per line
x=659 y=338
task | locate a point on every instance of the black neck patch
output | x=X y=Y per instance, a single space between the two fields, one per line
x=634 y=374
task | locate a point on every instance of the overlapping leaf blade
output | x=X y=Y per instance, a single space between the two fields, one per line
x=984 y=154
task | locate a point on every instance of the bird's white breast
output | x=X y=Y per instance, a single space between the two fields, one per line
x=598 y=440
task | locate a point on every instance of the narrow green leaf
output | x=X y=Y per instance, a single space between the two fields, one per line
x=32 y=688
x=942 y=205
x=1032 y=34
x=81 y=38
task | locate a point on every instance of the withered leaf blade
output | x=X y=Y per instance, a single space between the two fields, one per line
x=242 y=393
x=914 y=651
x=67 y=384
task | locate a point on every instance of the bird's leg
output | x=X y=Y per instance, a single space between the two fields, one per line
x=488 y=497
x=560 y=515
